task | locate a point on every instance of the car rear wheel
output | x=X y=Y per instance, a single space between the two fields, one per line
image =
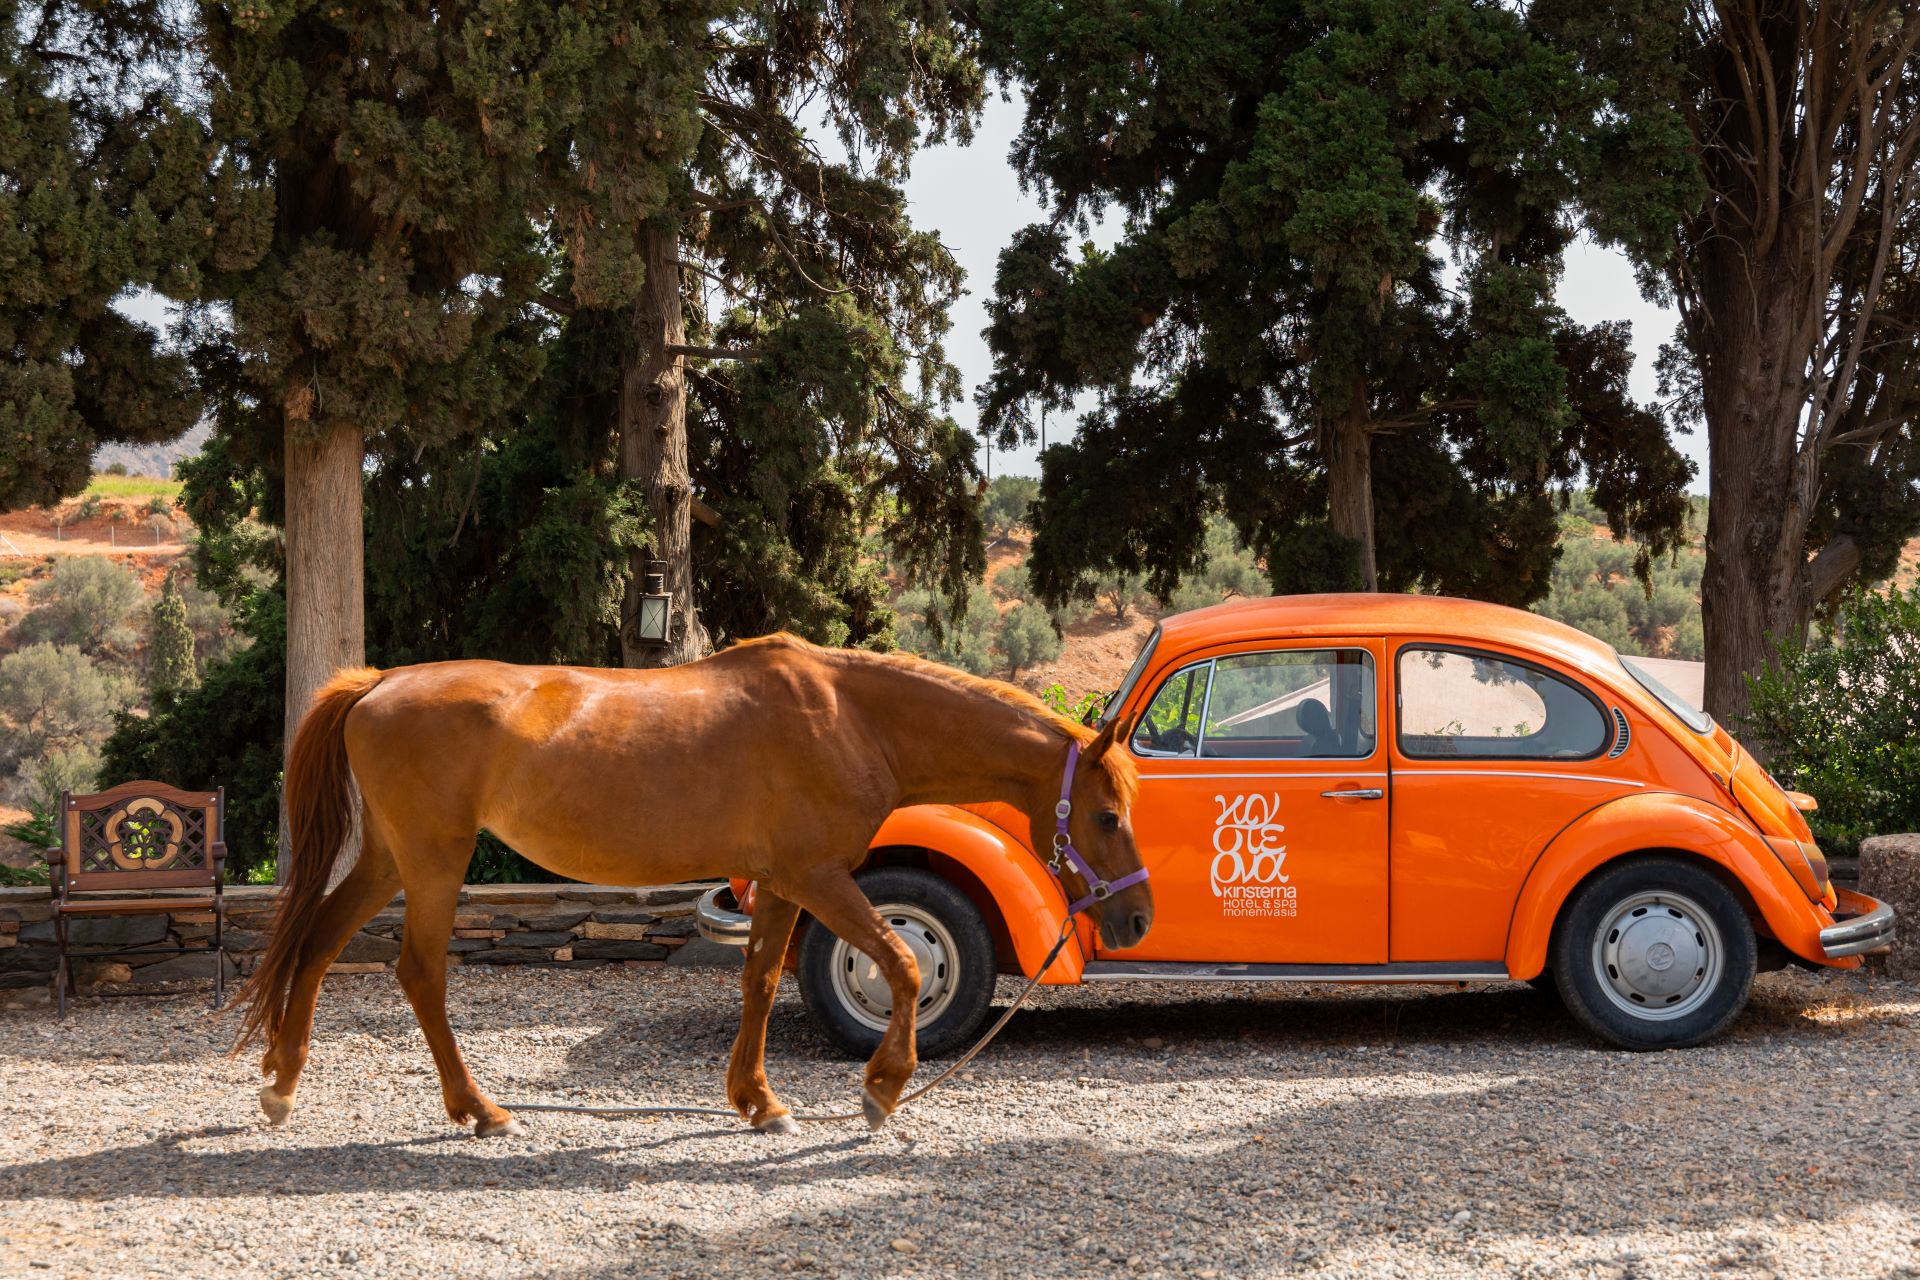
x=1655 y=953
x=848 y=997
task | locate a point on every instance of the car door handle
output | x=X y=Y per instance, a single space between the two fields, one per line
x=1361 y=793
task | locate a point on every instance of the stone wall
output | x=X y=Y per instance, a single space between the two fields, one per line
x=552 y=925
x=1890 y=871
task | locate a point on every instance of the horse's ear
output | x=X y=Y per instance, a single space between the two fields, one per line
x=1113 y=731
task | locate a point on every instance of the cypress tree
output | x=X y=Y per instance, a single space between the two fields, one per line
x=391 y=188
x=1795 y=268
x=1275 y=335
x=101 y=194
x=170 y=664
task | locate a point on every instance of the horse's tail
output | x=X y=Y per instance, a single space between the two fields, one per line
x=319 y=799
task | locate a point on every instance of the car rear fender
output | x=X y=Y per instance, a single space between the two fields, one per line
x=1659 y=822
x=1030 y=901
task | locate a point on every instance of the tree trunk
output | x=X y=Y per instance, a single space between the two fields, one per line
x=1756 y=590
x=1349 y=456
x=326 y=613
x=653 y=448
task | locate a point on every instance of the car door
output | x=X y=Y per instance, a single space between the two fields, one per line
x=1493 y=754
x=1263 y=806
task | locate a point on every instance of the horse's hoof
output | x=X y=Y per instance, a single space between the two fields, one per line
x=870 y=1107
x=277 y=1106
x=508 y=1128
x=782 y=1123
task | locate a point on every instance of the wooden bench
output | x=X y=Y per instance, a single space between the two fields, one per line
x=138 y=836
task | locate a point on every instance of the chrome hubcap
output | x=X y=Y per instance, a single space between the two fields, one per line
x=1658 y=956
x=862 y=987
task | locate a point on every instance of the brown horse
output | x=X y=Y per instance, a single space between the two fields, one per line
x=774 y=760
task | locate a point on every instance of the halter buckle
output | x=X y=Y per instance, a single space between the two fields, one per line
x=1102 y=891
x=1062 y=809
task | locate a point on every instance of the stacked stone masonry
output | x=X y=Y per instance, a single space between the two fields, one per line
x=552 y=925
x=1890 y=871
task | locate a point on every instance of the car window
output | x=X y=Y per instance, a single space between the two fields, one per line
x=1456 y=704
x=1315 y=704
x=1691 y=716
x=1171 y=726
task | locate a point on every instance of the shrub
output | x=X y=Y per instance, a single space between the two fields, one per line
x=1085 y=710
x=1840 y=719
x=52 y=698
x=1008 y=498
x=1027 y=638
x=84 y=603
x=926 y=627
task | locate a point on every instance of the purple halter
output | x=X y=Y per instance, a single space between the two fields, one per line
x=1098 y=889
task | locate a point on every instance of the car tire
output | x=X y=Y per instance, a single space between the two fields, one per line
x=1654 y=953
x=948 y=936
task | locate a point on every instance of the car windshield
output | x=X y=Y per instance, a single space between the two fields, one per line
x=1133 y=677
x=1690 y=715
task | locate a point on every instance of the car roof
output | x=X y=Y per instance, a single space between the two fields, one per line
x=1358 y=614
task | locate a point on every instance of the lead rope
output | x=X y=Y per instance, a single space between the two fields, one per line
x=621 y=1113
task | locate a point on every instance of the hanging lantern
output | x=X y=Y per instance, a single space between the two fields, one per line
x=655 y=615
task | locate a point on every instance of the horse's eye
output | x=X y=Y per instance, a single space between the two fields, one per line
x=1109 y=821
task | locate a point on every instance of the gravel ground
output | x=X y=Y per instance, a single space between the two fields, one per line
x=1172 y=1130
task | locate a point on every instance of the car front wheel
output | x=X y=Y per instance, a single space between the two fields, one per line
x=848 y=996
x=1655 y=953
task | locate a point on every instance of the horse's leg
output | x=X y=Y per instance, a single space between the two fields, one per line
x=432 y=895
x=369 y=886
x=836 y=902
x=747 y=1087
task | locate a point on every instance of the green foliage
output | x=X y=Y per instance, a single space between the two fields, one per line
x=1086 y=709
x=224 y=733
x=100 y=195
x=495 y=862
x=1840 y=719
x=929 y=627
x=53 y=698
x=1277 y=315
x=1122 y=593
x=1008 y=500
x=59 y=770
x=89 y=507
x=84 y=602
x=170 y=662
x=1598 y=587
x=1230 y=572
x=1027 y=638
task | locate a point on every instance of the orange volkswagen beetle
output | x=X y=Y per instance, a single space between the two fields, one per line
x=1381 y=788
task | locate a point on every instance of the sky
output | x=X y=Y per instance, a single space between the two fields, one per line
x=971 y=196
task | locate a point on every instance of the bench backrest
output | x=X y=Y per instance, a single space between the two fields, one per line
x=141 y=835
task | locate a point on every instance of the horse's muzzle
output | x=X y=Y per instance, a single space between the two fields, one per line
x=1123 y=928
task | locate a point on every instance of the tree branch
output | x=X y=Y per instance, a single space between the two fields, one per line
x=1832 y=566
x=714 y=353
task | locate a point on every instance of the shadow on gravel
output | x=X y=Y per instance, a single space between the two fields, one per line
x=1220 y=1031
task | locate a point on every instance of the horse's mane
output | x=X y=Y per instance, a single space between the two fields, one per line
x=1120 y=770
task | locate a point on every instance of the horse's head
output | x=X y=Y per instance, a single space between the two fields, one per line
x=1100 y=826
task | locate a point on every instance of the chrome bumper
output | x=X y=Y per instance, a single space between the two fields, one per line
x=719 y=918
x=1868 y=926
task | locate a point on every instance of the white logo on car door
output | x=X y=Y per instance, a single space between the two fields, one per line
x=1249 y=861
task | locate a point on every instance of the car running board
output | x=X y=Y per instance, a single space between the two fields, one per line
x=1215 y=971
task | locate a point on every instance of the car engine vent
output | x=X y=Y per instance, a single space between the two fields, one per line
x=1623 y=738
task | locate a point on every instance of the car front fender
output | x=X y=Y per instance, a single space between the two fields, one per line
x=1647 y=822
x=1031 y=902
